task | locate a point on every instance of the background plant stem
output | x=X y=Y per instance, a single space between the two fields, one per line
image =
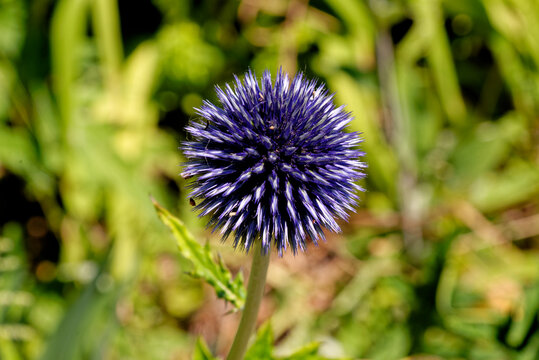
x=255 y=291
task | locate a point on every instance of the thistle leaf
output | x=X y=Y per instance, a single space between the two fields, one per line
x=204 y=266
x=307 y=352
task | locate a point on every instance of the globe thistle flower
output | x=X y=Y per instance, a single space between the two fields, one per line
x=273 y=162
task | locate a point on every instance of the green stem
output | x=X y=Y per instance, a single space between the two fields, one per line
x=255 y=291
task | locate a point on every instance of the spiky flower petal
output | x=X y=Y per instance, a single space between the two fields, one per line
x=273 y=162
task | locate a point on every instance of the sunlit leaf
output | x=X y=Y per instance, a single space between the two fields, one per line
x=306 y=352
x=204 y=266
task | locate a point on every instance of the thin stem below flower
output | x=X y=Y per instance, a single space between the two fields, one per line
x=255 y=291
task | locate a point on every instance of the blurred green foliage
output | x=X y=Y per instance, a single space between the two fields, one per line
x=442 y=260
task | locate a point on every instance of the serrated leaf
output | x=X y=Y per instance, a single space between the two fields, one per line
x=202 y=352
x=213 y=272
x=262 y=347
x=307 y=352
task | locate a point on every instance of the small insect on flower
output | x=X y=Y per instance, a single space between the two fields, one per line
x=273 y=162
x=186 y=175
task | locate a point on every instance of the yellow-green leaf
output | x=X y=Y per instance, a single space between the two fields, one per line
x=204 y=266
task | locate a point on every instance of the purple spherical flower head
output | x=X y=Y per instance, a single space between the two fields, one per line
x=273 y=162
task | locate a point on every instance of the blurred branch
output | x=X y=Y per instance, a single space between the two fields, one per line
x=522 y=228
x=492 y=234
x=474 y=219
x=397 y=127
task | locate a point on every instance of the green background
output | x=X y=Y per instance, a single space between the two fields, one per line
x=440 y=262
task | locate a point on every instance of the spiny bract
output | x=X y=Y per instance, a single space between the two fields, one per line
x=273 y=162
